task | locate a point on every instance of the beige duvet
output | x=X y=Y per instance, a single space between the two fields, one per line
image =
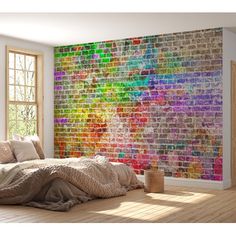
x=59 y=184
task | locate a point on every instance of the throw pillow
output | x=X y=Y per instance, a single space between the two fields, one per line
x=17 y=137
x=24 y=150
x=6 y=155
x=35 y=140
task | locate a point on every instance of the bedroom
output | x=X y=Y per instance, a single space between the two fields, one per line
x=107 y=107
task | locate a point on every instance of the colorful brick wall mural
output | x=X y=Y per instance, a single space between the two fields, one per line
x=142 y=99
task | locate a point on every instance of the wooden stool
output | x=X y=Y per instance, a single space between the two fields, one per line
x=154 y=181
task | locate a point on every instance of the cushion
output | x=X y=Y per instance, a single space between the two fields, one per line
x=6 y=155
x=35 y=140
x=17 y=137
x=24 y=150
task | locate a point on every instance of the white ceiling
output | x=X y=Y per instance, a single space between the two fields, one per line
x=72 y=28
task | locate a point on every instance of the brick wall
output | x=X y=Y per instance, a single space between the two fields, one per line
x=142 y=99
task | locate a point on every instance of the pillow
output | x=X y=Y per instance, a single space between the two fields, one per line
x=35 y=140
x=24 y=150
x=6 y=155
x=17 y=137
x=37 y=145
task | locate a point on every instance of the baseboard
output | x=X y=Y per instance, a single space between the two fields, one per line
x=227 y=184
x=198 y=183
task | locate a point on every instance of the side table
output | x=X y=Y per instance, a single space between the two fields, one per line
x=154 y=181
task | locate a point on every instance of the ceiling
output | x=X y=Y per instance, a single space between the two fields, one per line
x=73 y=28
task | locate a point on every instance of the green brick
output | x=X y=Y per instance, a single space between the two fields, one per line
x=106 y=60
x=99 y=51
x=91 y=51
x=93 y=46
x=85 y=52
x=108 y=45
x=78 y=53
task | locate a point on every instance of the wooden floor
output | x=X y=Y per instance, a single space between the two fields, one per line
x=177 y=204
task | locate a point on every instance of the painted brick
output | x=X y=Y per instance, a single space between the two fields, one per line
x=135 y=100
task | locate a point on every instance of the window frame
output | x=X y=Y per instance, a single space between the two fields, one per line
x=39 y=95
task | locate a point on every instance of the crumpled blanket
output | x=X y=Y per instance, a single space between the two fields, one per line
x=59 y=184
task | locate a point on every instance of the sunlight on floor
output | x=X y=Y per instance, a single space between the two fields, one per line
x=156 y=206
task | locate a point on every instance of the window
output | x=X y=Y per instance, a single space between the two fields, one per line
x=24 y=93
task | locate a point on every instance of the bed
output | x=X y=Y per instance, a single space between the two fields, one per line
x=59 y=184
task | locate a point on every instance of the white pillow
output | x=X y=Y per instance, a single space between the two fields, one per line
x=17 y=137
x=24 y=150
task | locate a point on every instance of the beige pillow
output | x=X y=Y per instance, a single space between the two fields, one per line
x=35 y=140
x=24 y=150
x=6 y=155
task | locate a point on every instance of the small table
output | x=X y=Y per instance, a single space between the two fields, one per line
x=154 y=181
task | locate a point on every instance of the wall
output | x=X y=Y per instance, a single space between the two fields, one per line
x=48 y=88
x=143 y=99
x=229 y=54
